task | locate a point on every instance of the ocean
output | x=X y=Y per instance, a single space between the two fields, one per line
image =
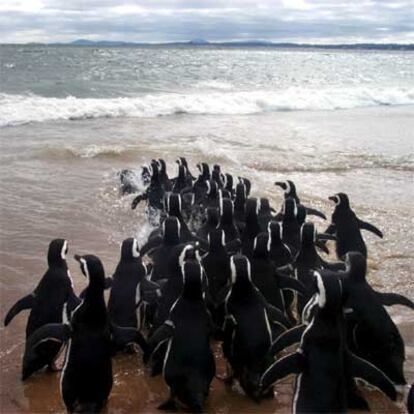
x=72 y=117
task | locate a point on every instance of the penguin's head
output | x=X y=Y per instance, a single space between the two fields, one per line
x=331 y=294
x=340 y=200
x=187 y=252
x=228 y=182
x=182 y=161
x=308 y=234
x=288 y=187
x=174 y=205
x=265 y=206
x=92 y=268
x=163 y=165
x=252 y=209
x=155 y=168
x=226 y=210
x=241 y=192
x=216 y=239
x=56 y=255
x=247 y=183
x=240 y=270
x=130 y=249
x=213 y=216
x=192 y=272
x=261 y=246
x=171 y=230
x=275 y=231
x=204 y=170
x=356 y=266
x=290 y=208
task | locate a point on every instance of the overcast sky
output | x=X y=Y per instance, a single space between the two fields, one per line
x=316 y=21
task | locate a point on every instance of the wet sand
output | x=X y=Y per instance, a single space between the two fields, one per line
x=59 y=180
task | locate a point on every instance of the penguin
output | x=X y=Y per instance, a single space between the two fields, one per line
x=174 y=210
x=212 y=197
x=211 y=222
x=227 y=223
x=86 y=379
x=265 y=277
x=265 y=214
x=216 y=262
x=240 y=206
x=228 y=183
x=372 y=333
x=289 y=189
x=163 y=252
x=171 y=289
x=247 y=329
x=55 y=289
x=247 y=184
x=154 y=194
x=346 y=226
x=290 y=225
x=126 y=284
x=200 y=186
x=126 y=178
x=216 y=176
x=165 y=181
x=279 y=253
x=325 y=368
x=180 y=182
x=252 y=227
x=308 y=260
x=189 y=365
x=189 y=177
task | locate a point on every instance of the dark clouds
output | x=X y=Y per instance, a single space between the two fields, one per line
x=320 y=21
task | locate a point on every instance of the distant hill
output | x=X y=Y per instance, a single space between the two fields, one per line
x=241 y=43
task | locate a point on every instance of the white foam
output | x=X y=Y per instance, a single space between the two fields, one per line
x=20 y=109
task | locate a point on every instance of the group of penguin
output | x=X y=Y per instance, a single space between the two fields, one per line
x=222 y=266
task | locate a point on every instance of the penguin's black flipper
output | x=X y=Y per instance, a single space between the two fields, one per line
x=164 y=332
x=286 y=282
x=370 y=227
x=43 y=346
x=313 y=212
x=326 y=236
x=360 y=368
x=286 y=270
x=335 y=266
x=276 y=316
x=331 y=229
x=286 y=339
x=150 y=291
x=151 y=244
x=390 y=299
x=24 y=303
x=290 y=364
x=138 y=199
x=122 y=336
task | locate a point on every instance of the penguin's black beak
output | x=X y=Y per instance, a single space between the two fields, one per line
x=280 y=184
x=77 y=258
x=332 y=198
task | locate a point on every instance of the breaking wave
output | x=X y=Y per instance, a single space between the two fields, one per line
x=21 y=109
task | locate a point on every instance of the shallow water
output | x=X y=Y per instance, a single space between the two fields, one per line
x=59 y=176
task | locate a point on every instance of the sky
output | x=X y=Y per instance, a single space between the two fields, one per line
x=152 y=21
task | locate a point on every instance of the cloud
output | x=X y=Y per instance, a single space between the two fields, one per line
x=321 y=21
